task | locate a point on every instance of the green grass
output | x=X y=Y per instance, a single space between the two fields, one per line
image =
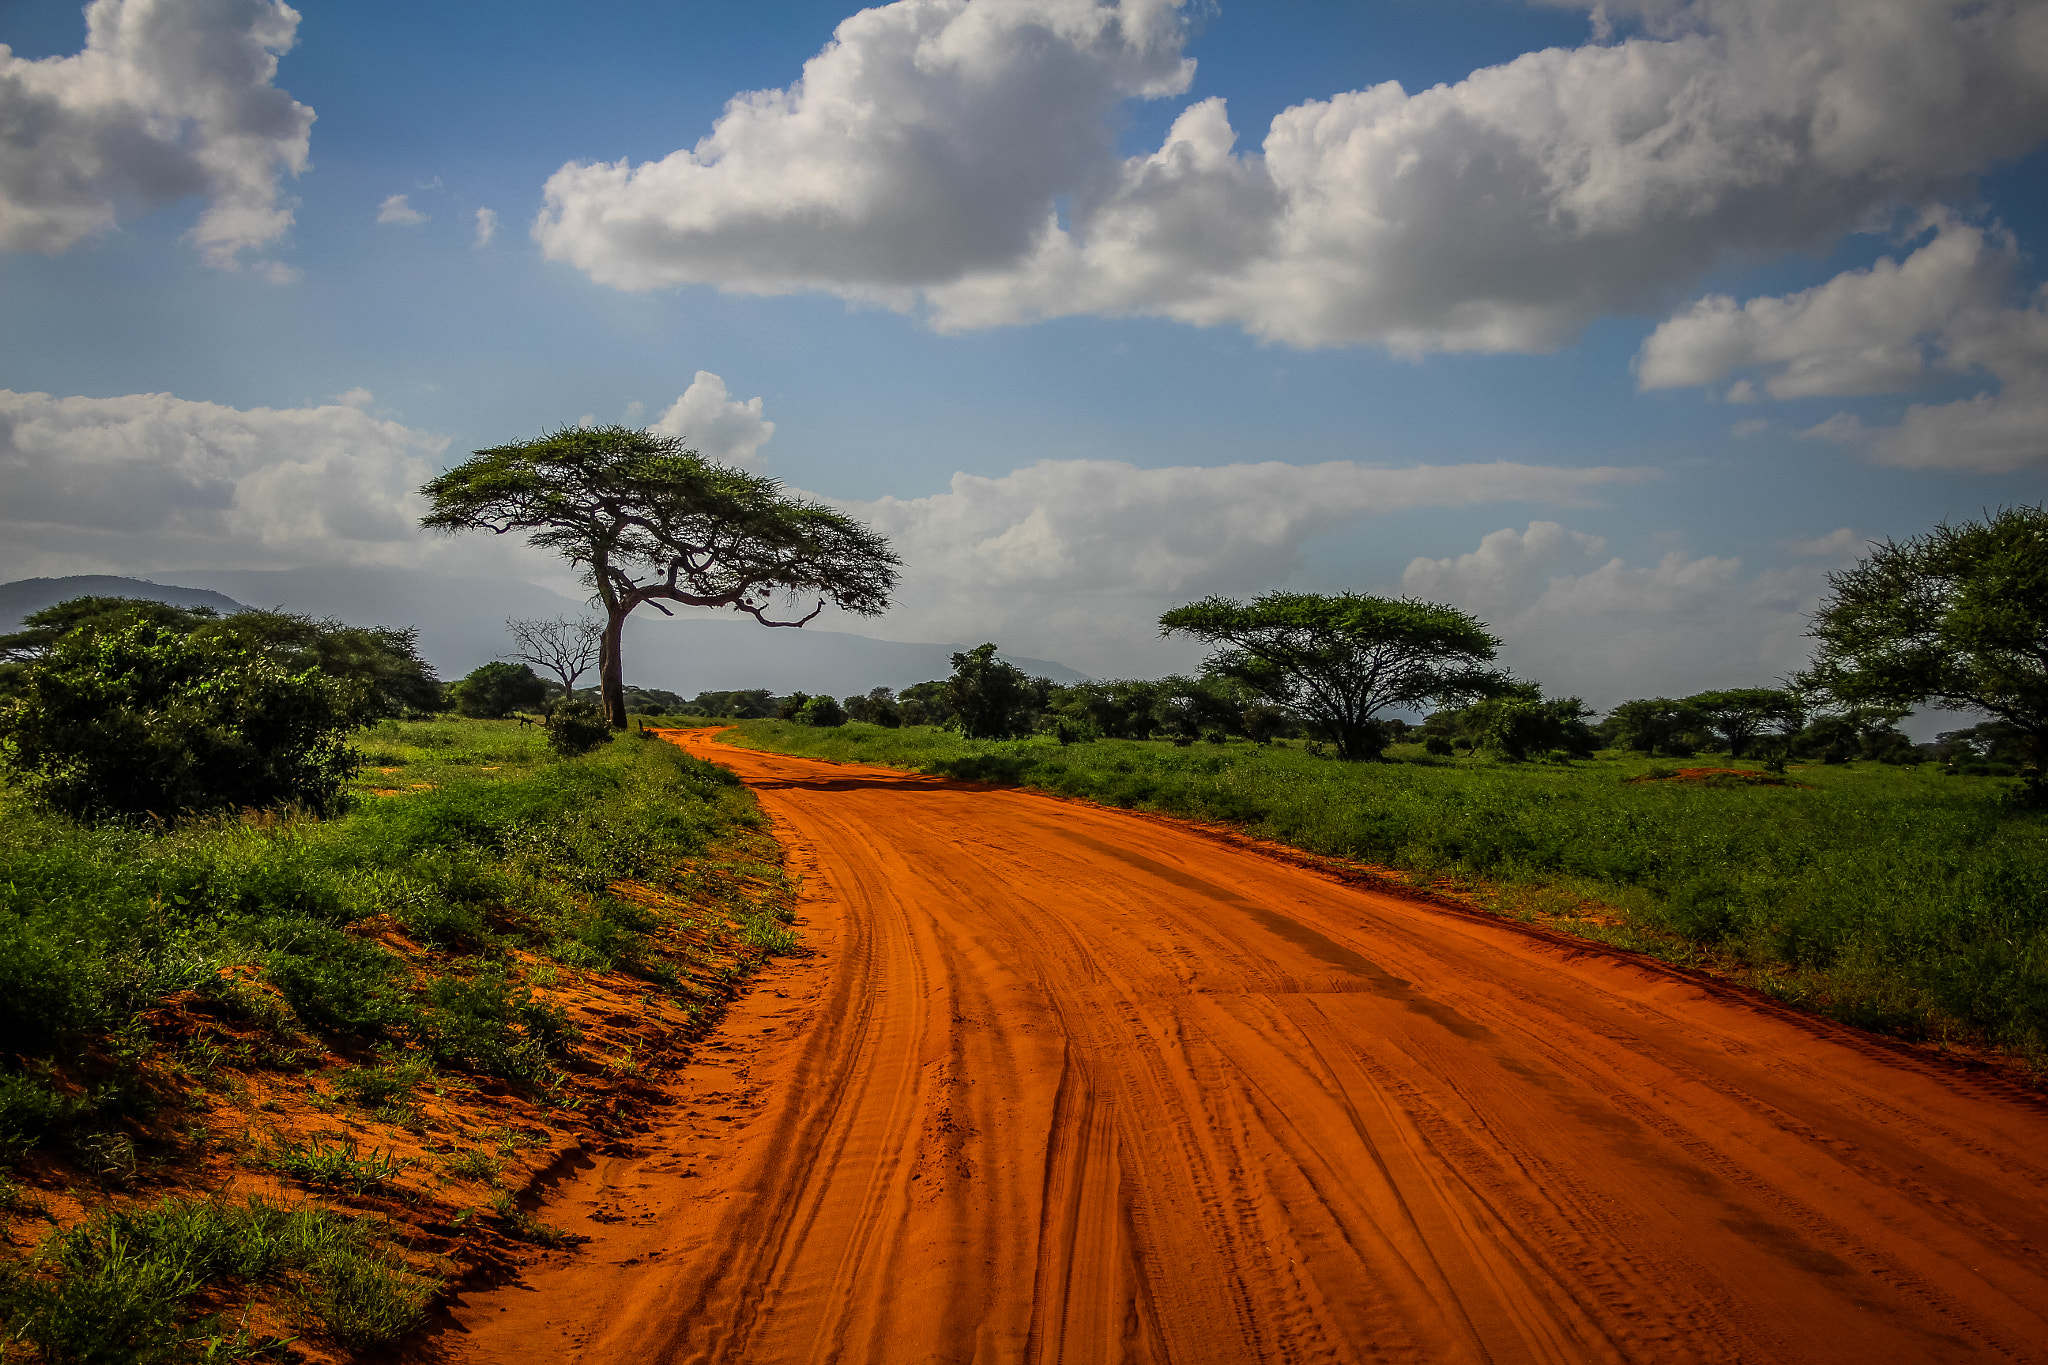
x=410 y=933
x=131 y=1285
x=332 y=1166
x=270 y=919
x=1897 y=899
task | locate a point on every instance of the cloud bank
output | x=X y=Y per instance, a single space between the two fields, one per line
x=1939 y=312
x=170 y=99
x=955 y=156
x=1607 y=631
x=1076 y=559
x=150 y=481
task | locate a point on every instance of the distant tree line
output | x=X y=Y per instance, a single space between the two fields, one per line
x=114 y=707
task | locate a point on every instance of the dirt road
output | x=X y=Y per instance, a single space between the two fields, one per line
x=1065 y=1084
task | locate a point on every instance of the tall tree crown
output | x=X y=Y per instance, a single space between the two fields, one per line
x=647 y=520
x=1340 y=660
x=613 y=501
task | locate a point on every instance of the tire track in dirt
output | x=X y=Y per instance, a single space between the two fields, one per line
x=1062 y=1084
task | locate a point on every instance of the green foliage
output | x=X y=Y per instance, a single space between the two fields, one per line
x=495 y=690
x=991 y=699
x=1740 y=716
x=645 y=519
x=29 y=1112
x=41 y=630
x=756 y=704
x=333 y=1166
x=576 y=727
x=487 y=1024
x=391 y=1082
x=821 y=711
x=1339 y=661
x=1515 y=726
x=378 y=670
x=1174 y=706
x=925 y=703
x=128 y=1285
x=145 y=721
x=1904 y=897
x=503 y=845
x=1655 y=725
x=1957 y=617
x=474 y=1164
x=877 y=707
x=1856 y=732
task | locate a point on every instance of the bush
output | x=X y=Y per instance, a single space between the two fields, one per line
x=576 y=727
x=821 y=711
x=149 y=722
x=497 y=690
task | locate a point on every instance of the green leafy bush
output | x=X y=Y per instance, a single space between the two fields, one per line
x=576 y=727
x=497 y=690
x=821 y=711
x=145 y=721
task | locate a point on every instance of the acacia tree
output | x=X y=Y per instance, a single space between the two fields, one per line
x=1741 y=715
x=1339 y=661
x=564 y=646
x=1957 y=617
x=646 y=520
x=1654 y=725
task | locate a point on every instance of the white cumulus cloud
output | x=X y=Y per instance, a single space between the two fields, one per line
x=398 y=210
x=1940 y=312
x=1076 y=559
x=956 y=155
x=1607 y=630
x=149 y=481
x=1864 y=331
x=716 y=426
x=170 y=99
x=486 y=226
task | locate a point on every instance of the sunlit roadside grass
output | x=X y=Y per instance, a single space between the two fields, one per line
x=328 y=1007
x=1898 y=899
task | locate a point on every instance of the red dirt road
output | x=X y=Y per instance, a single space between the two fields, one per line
x=1066 y=1084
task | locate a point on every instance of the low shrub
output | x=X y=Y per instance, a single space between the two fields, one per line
x=148 y=721
x=576 y=727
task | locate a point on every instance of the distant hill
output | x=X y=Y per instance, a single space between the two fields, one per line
x=24 y=597
x=461 y=621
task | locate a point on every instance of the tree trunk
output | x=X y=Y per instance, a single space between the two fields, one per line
x=611 y=672
x=1360 y=741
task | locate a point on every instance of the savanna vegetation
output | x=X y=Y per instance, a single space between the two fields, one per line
x=286 y=1032
x=301 y=974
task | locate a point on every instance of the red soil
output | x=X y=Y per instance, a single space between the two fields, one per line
x=1062 y=1083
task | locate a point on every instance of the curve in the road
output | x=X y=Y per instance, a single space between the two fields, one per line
x=1067 y=1084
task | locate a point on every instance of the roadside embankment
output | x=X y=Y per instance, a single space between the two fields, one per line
x=282 y=1080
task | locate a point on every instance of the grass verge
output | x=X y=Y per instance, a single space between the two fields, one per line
x=277 y=1080
x=1900 y=900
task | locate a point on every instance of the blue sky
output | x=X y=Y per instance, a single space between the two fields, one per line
x=1496 y=271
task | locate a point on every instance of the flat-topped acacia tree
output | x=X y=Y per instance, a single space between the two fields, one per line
x=1340 y=660
x=647 y=520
